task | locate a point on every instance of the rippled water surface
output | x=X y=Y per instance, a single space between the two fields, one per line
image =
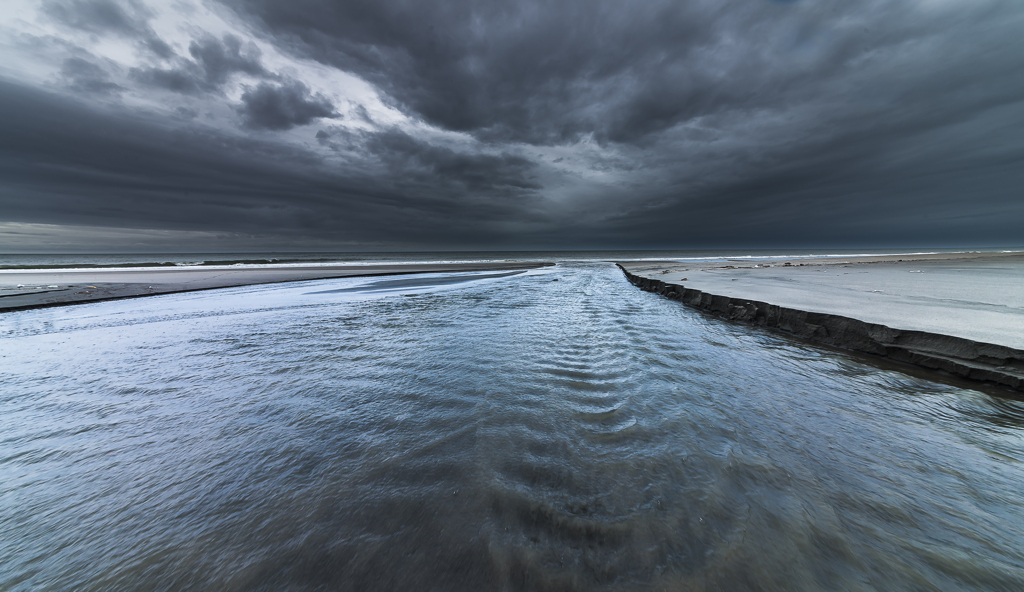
x=484 y=432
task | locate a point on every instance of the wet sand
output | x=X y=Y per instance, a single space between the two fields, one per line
x=936 y=310
x=27 y=289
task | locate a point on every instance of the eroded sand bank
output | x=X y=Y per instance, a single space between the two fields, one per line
x=962 y=313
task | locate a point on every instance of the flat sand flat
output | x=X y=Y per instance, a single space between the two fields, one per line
x=961 y=312
x=28 y=289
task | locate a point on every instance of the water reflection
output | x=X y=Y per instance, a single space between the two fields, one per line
x=503 y=433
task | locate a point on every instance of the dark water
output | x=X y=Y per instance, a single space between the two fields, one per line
x=504 y=433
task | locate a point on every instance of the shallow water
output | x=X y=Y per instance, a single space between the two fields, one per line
x=500 y=433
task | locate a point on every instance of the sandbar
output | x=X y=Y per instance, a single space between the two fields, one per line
x=28 y=289
x=958 y=312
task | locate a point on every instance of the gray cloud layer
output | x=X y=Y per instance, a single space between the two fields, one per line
x=128 y=19
x=213 y=61
x=283 y=107
x=542 y=124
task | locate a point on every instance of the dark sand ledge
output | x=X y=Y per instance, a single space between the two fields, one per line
x=23 y=290
x=962 y=314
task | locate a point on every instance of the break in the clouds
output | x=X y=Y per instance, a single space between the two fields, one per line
x=465 y=124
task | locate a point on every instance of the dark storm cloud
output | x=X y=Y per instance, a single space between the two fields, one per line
x=548 y=72
x=280 y=107
x=876 y=180
x=62 y=163
x=74 y=163
x=85 y=76
x=186 y=80
x=213 y=62
x=128 y=18
x=507 y=70
x=569 y=123
x=219 y=59
x=417 y=162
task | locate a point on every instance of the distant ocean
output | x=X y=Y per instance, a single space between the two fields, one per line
x=555 y=429
x=58 y=261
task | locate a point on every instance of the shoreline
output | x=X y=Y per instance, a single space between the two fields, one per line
x=802 y=261
x=81 y=286
x=824 y=308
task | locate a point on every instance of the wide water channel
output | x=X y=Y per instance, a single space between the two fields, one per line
x=484 y=432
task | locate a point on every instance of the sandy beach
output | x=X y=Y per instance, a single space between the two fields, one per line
x=943 y=303
x=27 y=289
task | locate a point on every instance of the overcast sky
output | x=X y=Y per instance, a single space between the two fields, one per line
x=396 y=124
